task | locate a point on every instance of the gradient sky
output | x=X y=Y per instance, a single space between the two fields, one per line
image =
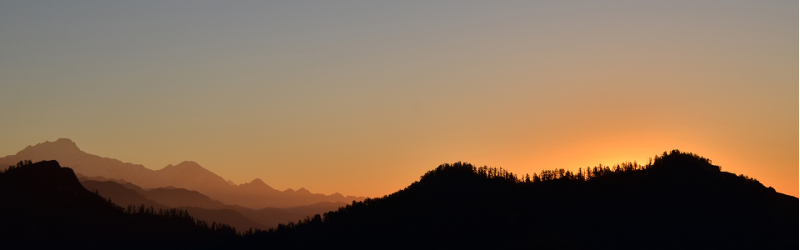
x=362 y=98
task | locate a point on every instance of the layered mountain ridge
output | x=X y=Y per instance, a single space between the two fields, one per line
x=188 y=174
x=203 y=207
x=678 y=201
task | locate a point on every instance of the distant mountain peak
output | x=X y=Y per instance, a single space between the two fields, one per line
x=64 y=140
x=256 y=184
x=60 y=145
x=303 y=191
x=258 y=181
x=187 y=165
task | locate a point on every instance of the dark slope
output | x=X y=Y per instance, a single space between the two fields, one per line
x=120 y=195
x=226 y=216
x=43 y=204
x=273 y=216
x=202 y=207
x=183 y=199
x=680 y=201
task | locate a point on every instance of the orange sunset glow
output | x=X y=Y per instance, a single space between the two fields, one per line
x=363 y=98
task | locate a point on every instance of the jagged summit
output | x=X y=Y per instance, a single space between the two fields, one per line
x=60 y=145
x=257 y=184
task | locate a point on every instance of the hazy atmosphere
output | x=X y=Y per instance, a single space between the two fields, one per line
x=362 y=98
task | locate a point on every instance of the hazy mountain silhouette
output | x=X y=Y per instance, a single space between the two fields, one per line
x=257 y=194
x=124 y=196
x=680 y=201
x=176 y=197
x=202 y=207
x=119 y=194
x=44 y=206
x=188 y=175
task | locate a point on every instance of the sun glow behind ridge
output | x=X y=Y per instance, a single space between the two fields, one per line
x=362 y=98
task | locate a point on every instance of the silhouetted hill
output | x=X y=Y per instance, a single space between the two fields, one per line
x=204 y=208
x=44 y=205
x=679 y=201
x=188 y=175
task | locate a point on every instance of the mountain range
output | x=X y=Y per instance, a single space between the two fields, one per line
x=677 y=201
x=203 y=207
x=187 y=175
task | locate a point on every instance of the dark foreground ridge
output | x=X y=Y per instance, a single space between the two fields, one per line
x=43 y=205
x=678 y=201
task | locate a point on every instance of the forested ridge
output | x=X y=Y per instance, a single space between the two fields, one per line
x=44 y=205
x=676 y=201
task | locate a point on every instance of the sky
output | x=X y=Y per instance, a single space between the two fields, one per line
x=363 y=97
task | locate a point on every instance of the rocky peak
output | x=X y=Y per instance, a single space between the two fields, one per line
x=62 y=145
